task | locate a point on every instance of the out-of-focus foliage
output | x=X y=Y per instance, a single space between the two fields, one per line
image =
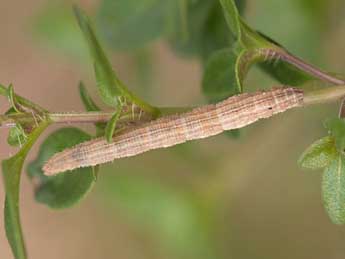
x=55 y=26
x=177 y=219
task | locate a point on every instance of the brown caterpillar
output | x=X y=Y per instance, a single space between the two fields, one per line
x=233 y=113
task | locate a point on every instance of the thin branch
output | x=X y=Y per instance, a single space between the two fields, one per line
x=310 y=69
x=326 y=95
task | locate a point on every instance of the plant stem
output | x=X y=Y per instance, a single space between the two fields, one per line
x=326 y=95
x=309 y=69
x=23 y=101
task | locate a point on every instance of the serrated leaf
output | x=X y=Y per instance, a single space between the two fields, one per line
x=111 y=125
x=132 y=24
x=109 y=85
x=66 y=189
x=319 y=154
x=336 y=128
x=333 y=190
x=11 y=169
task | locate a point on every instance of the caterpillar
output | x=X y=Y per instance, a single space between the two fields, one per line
x=233 y=113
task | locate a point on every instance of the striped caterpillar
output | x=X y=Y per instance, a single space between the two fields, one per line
x=232 y=113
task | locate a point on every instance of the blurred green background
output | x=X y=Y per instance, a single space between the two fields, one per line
x=215 y=198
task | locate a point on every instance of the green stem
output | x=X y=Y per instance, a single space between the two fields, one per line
x=23 y=101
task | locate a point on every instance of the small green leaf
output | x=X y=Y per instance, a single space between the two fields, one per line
x=11 y=169
x=22 y=101
x=319 y=154
x=132 y=24
x=65 y=189
x=108 y=84
x=111 y=125
x=91 y=106
x=16 y=136
x=333 y=190
x=12 y=98
x=336 y=127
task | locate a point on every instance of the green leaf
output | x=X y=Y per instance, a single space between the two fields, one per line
x=11 y=169
x=132 y=24
x=91 y=106
x=202 y=31
x=285 y=73
x=222 y=78
x=333 y=190
x=11 y=98
x=336 y=128
x=232 y=17
x=111 y=125
x=55 y=27
x=108 y=84
x=219 y=79
x=319 y=154
x=65 y=189
x=16 y=136
x=22 y=101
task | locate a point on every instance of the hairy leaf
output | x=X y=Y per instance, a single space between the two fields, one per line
x=333 y=190
x=336 y=128
x=11 y=169
x=319 y=154
x=65 y=189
